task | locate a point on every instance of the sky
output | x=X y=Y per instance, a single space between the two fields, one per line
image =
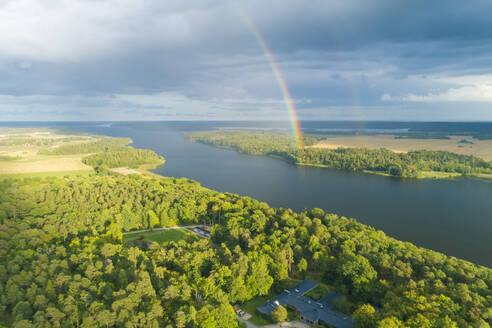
x=108 y=60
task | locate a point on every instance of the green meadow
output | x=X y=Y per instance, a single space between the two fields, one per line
x=160 y=236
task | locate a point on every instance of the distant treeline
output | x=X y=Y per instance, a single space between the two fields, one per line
x=423 y=135
x=442 y=135
x=408 y=165
x=17 y=141
x=6 y=158
x=396 y=164
x=403 y=135
x=483 y=137
x=252 y=143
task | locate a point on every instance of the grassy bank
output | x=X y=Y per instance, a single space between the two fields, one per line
x=159 y=236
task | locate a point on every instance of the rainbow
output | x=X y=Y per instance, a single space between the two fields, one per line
x=296 y=127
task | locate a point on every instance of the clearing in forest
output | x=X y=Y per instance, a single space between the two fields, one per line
x=159 y=236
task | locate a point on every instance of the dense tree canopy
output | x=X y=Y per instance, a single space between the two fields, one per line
x=279 y=314
x=63 y=262
x=125 y=157
x=101 y=145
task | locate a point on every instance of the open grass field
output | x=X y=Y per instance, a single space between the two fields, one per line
x=126 y=171
x=20 y=153
x=49 y=174
x=250 y=307
x=34 y=165
x=160 y=236
x=141 y=170
x=475 y=147
x=433 y=175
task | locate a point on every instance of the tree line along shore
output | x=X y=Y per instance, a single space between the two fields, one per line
x=413 y=164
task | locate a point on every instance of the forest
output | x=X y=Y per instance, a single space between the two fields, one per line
x=413 y=164
x=100 y=145
x=108 y=153
x=63 y=262
x=127 y=157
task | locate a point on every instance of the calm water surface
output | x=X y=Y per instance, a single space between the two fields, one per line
x=450 y=216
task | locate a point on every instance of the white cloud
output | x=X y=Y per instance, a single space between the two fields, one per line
x=231 y=108
x=73 y=30
x=468 y=88
x=108 y=59
x=158 y=106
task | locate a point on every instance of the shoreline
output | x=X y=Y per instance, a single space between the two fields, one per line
x=423 y=175
x=434 y=175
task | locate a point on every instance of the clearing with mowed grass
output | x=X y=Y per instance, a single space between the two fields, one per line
x=159 y=236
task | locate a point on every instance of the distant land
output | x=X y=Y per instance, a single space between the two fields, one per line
x=376 y=154
x=37 y=152
x=464 y=145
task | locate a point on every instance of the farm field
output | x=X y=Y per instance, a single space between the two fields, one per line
x=40 y=165
x=21 y=152
x=45 y=152
x=59 y=174
x=463 y=145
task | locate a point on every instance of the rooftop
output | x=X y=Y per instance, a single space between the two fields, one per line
x=310 y=309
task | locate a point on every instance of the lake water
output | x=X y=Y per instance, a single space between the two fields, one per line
x=450 y=216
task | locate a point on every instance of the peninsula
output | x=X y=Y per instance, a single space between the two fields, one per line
x=320 y=152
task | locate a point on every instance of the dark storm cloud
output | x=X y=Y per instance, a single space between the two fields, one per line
x=352 y=24
x=201 y=57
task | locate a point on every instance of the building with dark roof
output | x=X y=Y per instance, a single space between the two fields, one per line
x=310 y=311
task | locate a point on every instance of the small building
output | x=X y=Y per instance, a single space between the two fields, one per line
x=310 y=311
